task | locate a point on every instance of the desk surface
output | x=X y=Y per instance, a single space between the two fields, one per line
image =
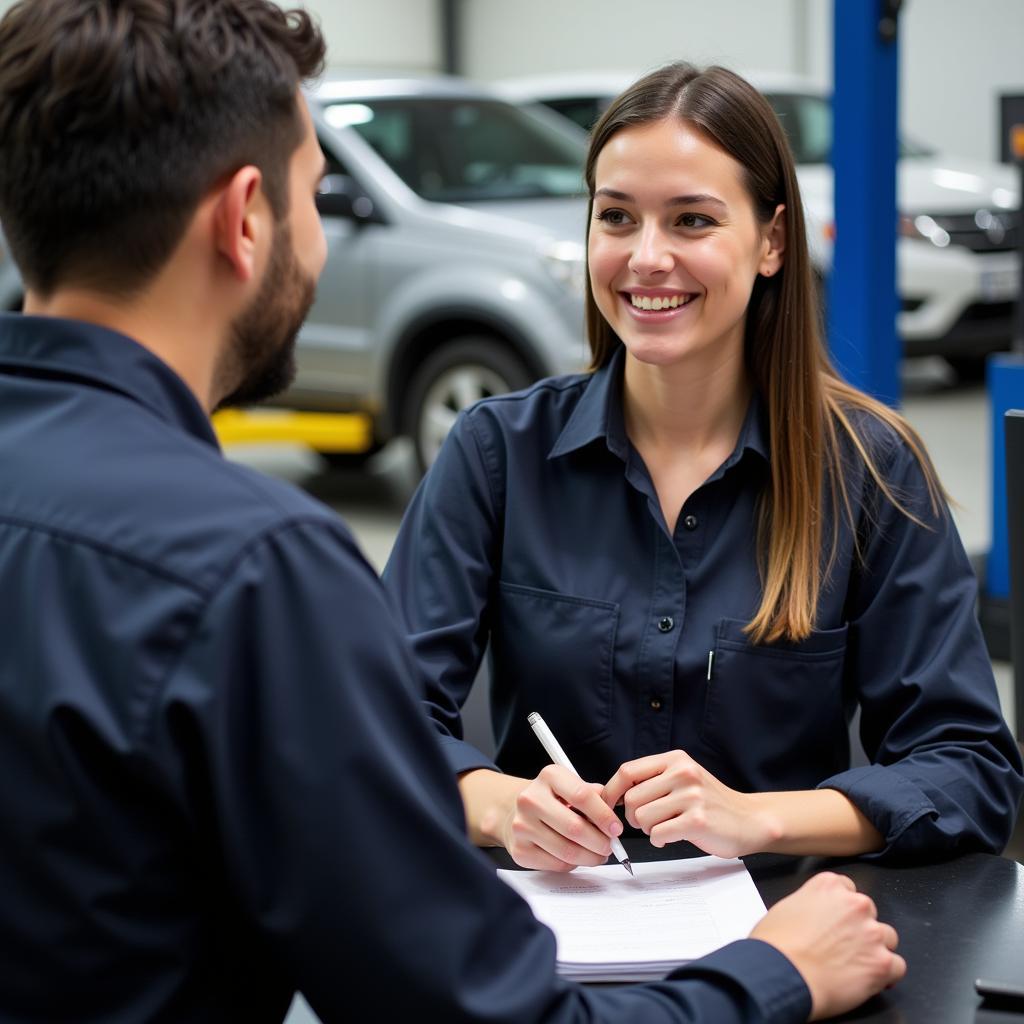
x=957 y=921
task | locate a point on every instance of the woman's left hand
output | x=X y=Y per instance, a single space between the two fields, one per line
x=672 y=798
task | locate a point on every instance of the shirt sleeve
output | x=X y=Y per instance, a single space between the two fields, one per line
x=293 y=740
x=439 y=576
x=945 y=776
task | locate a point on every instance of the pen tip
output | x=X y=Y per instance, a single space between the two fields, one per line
x=628 y=866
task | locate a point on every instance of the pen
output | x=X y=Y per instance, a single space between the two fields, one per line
x=557 y=754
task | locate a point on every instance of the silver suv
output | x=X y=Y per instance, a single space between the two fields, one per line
x=454 y=225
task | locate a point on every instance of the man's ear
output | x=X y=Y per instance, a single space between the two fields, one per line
x=239 y=218
x=775 y=243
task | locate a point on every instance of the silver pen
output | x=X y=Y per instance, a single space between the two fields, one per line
x=557 y=754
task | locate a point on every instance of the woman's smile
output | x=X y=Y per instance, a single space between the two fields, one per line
x=656 y=306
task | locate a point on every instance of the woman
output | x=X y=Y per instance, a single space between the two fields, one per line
x=699 y=559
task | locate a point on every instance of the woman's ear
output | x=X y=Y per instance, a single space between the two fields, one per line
x=239 y=218
x=774 y=243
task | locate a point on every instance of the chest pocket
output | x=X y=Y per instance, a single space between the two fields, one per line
x=775 y=711
x=554 y=653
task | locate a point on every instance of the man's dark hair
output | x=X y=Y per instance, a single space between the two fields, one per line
x=117 y=116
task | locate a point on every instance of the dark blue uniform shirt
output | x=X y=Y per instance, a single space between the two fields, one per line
x=217 y=786
x=538 y=529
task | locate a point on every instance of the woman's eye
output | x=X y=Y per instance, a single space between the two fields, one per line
x=612 y=217
x=695 y=220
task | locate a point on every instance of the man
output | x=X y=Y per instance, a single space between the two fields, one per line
x=218 y=787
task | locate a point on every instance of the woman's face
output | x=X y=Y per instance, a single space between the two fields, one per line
x=674 y=244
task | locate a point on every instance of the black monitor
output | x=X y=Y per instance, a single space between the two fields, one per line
x=1011 y=112
x=1014 y=423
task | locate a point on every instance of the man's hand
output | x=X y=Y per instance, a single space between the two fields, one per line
x=832 y=935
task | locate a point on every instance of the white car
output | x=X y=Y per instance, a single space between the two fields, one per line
x=957 y=255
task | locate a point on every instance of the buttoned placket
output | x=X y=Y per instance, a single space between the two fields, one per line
x=655 y=693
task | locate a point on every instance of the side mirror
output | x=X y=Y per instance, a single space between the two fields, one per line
x=340 y=196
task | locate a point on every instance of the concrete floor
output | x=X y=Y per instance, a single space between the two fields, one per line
x=952 y=418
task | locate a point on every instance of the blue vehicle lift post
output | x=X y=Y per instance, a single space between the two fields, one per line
x=1005 y=374
x=862 y=301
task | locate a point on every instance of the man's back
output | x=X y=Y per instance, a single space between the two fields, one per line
x=119 y=525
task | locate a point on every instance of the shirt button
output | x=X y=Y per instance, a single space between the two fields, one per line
x=665 y=624
x=656 y=703
x=690 y=522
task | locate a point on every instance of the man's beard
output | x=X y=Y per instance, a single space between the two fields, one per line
x=260 y=358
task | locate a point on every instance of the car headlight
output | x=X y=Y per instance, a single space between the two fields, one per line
x=566 y=263
x=922 y=226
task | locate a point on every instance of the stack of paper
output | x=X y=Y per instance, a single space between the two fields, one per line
x=610 y=927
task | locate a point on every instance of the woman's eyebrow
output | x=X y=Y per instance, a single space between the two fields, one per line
x=687 y=200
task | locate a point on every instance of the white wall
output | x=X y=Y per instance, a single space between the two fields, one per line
x=956 y=56
x=372 y=33
x=534 y=36
x=379 y=33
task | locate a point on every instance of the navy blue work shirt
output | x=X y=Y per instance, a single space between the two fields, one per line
x=218 y=787
x=539 y=530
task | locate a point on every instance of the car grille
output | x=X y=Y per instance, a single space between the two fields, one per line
x=983 y=231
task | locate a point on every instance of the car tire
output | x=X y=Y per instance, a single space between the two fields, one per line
x=450 y=379
x=969 y=369
x=344 y=461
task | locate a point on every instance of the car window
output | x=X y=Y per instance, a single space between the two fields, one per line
x=460 y=150
x=807 y=120
x=911 y=147
x=583 y=110
x=814 y=116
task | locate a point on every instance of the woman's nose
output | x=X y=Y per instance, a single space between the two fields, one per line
x=652 y=254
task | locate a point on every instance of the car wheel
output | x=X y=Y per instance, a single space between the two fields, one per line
x=348 y=460
x=451 y=379
x=970 y=369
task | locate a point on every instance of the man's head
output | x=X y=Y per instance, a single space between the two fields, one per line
x=258 y=357
x=118 y=116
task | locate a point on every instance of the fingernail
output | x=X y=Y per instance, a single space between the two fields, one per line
x=615 y=828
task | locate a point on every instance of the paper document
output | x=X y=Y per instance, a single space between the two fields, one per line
x=610 y=927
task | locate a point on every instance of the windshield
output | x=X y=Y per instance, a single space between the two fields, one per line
x=807 y=120
x=464 y=150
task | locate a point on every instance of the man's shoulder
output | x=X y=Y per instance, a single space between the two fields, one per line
x=159 y=498
x=218 y=510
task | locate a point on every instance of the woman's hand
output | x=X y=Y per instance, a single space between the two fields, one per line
x=672 y=798
x=558 y=822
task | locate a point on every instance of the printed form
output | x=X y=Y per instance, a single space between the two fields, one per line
x=610 y=927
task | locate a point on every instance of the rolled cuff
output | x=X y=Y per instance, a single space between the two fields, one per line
x=889 y=800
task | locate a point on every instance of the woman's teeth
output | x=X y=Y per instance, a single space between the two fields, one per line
x=659 y=302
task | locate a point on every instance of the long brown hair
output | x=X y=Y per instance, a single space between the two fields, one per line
x=809 y=406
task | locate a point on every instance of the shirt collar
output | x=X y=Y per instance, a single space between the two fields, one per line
x=599 y=414
x=102 y=358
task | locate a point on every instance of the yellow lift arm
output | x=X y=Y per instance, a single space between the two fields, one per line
x=322 y=431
